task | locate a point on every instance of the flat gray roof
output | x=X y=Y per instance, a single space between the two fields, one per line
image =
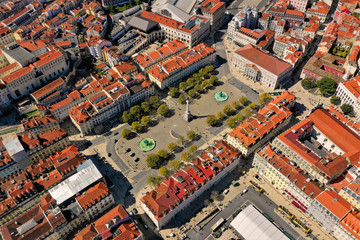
x=18 y=53
x=252 y=225
x=142 y=23
x=76 y=183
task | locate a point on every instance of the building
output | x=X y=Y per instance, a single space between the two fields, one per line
x=173 y=70
x=329 y=208
x=257 y=130
x=36 y=223
x=215 y=11
x=348 y=228
x=321 y=145
x=286 y=177
x=324 y=65
x=349 y=93
x=300 y=5
x=262 y=66
x=116 y=224
x=60 y=109
x=172 y=196
x=6 y=36
x=351 y=193
x=148 y=60
x=15 y=150
x=49 y=93
x=38 y=124
x=191 y=33
x=319 y=9
x=283 y=43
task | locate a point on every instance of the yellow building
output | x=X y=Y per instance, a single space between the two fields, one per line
x=351 y=193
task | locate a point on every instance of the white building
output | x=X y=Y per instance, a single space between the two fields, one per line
x=261 y=66
x=349 y=93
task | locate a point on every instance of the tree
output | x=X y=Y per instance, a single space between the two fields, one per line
x=163 y=154
x=136 y=126
x=192 y=148
x=231 y=122
x=172 y=147
x=205 y=84
x=198 y=88
x=243 y=100
x=99 y=129
x=174 y=92
x=327 y=86
x=239 y=117
x=163 y=110
x=335 y=100
x=125 y=133
x=347 y=109
x=127 y=117
x=183 y=86
x=213 y=80
x=153 y=180
x=181 y=140
x=145 y=106
x=228 y=110
x=252 y=105
x=163 y=171
x=146 y=120
x=214 y=195
x=135 y=111
x=203 y=72
x=247 y=112
x=209 y=68
x=192 y=93
x=154 y=101
x=211 y=120
x=191 y=135
x=190 y=82
x=235 y=104
x=265 y=98
x=174 y=164
x=308 y=83
x=152 y=160
x=219 y=115
x=184 y=156
x=182 y=99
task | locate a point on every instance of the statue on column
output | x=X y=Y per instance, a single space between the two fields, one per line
x=187 y=116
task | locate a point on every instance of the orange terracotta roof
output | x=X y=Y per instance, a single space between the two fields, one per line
x=6 y=204
x=88 y=233
x=352 y=223
x=93 y=195
x=264 y=60
x=50 y=179
x=334 y=203
x=8 y=67
x=75 y=95
x=52 y=136
x=17 y=74
x=48 y=88
x=211 y=6
x=353 y=86
x=125 y=68
x=47 y=57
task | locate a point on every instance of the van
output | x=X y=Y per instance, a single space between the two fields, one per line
x=226 y=191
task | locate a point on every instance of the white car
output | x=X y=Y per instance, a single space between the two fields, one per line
x=226 y=191
x=244 y=191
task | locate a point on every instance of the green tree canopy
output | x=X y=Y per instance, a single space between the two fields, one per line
x=125 y=133
x=190 y=82
x=183 y=86
x=219 y=115
x=243 y=100
x=192 y=93
x=228 y=110
x=347 y=109
x=184 y=156
x=174 y=164
x=182 y=99
x=192 y=148
x=163 y=171
x=191 y=135
x=136 y=126
x=146 y=120
x=163 y=110
x=308 y=83
x=335 y=100
x=145 y=106
x=181 y=140
x=209 y=68
x=152 y=160
x=213 y=80
x=199 y=88
x=265 y=98
x=153 y=180
x=154 y=101
x=235 y=104
x=127 y=117
x=172 y=147
x=135 y=111
x=326 y=86
x=163 y=153
x=205 y=84
x=252 y=105
x=247 y=112
x=231 y=122
x=211 y=120
x=239 y=117
x=174 y=92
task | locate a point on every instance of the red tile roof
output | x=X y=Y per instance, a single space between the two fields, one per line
x=38 y=121
x=50 y=179
x=334 y=203
x=264 y=60
x=211 y=6
x=52 y=136
x=88 y=233
x=353 y=86
x=352 y=223
x=93 y=195
x=49 y=88
x=8 y=67
x=47 y=57
x=17 y=74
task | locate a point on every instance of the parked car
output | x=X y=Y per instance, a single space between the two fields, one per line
x=136 y=159
x=109 y=154
x=128 y=150
x=226 y=191
x=135 y=210
x=116 y=133
x=244 y=191
x=132 y=154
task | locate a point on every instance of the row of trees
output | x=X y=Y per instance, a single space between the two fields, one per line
x=154 y=180
x=327 y=86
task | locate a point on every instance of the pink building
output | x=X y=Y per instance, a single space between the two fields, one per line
x=299 y=4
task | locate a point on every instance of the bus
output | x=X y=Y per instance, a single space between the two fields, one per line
x=257 y=187
x=286 y=212
x=217 y=224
